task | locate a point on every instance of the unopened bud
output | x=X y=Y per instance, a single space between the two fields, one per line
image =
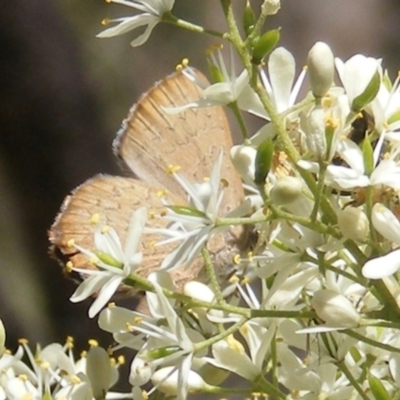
x=313 y=125
x=353 y=223
x=286 y=190
x=335 y=309
x=166 y=380
x=198 y=291
x=320 y=68
x=264 y=44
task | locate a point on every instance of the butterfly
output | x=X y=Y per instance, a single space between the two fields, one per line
x=150 y=140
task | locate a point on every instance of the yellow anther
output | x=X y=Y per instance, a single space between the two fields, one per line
x=245 y=281
x=23 y=377
x=236 y=259
x=69 y=266
x=121 y=360
x=71 y=243
x=130 y=327
x=137 y=320
x=234 y=279
x=93 y=343
x=331 y=122
x=105 y=21
x=105 y=229
x=151 y=214
x=172 y=169
x=111 y=305
x=162 y=193
x=83 y=354
x=95 y=218
x=75 y=380
x=23 y=341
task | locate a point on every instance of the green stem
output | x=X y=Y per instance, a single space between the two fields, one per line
x=373 y=343
x=212 y=275
x=171 y=19
x=342 y=366
x=239 y=118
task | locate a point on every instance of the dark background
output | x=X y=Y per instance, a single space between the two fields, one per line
x=63 y=95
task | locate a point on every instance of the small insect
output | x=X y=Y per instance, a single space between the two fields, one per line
x=150 y=140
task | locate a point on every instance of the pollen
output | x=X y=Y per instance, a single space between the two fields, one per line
x=331 y=122
x=105 y=229
x=71 y=243
x=95 y=218
x=93 y=343
x=75 y=379
x=245 y=281
x=121 y=360
x=69 y=266
x=237 y=259
x=162 y=193
x=172 y=169
x=183 y=64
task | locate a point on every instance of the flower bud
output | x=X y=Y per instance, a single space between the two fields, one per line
x=320 y=68
x=198 y=291
x=166 y=380
x=271 y=7
x=263 y=161
x=249 y=18
x=264 y=44
x=286 y=190
x=335 y=309
x=243 y=158
x=353 y=223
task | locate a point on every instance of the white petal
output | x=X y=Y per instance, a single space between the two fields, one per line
x=386 y=223
x=105 y=295
x=382 y=267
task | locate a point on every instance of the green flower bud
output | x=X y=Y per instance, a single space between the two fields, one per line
x=263 y=161
x=264 y=44
x=378 y=389
x=320 y=68
x=249 y=18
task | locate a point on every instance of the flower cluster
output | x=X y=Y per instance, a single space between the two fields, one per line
x=302 y=299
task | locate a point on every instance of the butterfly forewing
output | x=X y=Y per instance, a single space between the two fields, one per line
x=151 y=138
x=149 y=141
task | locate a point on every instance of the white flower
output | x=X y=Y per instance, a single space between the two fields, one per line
x=386 y=172
x=223 y=92
x=280 y=85
x=153 y=11
x=356 y=74
x=335 y=309
x=194 y=225
x=123 y=262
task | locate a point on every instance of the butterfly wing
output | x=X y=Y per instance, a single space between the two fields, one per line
x=110 y=200
x=151 y=139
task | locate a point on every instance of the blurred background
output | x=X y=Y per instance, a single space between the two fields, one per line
x=63 y=95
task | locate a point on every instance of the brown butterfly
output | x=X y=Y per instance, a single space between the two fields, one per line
x=150 y=140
